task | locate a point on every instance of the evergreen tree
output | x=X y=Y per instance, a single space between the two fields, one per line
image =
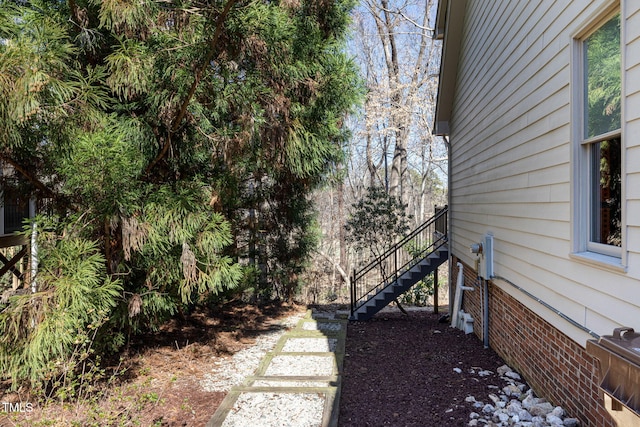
x=376 y=222
x=171 y=137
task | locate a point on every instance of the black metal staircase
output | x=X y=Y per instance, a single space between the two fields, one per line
x=403 y=265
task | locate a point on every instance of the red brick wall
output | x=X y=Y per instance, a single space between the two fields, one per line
x=555 y=366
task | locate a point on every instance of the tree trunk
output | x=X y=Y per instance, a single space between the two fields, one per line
x=398 y=169
x=344 y=260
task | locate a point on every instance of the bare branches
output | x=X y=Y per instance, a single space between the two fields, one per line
x=398 y=56
x=404 y=16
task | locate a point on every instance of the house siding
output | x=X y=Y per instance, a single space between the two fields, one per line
x=511 y=159
x=512 y=170
x=632 y=140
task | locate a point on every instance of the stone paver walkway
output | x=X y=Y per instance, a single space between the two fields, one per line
x=297 y=384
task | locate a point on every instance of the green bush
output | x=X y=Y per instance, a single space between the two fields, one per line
x=376 y=221
x=48 y=336
x=419 y=293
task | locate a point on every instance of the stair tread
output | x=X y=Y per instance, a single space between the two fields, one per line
x=404 y=282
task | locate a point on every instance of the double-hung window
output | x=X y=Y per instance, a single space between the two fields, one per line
x=599 y=191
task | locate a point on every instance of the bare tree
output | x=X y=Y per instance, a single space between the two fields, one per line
x=400 y=60
x=392 y=145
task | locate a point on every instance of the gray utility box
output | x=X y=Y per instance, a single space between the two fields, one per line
x=619 y=356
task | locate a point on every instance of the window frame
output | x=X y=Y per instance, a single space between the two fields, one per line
x=582 y=172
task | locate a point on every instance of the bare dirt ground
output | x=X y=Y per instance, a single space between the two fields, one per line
x=158 y=383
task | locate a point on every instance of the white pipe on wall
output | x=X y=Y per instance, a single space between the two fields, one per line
x=457 y=302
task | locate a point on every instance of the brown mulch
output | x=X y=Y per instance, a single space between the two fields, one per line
x=399 y=371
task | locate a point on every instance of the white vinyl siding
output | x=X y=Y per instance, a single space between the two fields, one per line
x=511 y=159
x=631 y=108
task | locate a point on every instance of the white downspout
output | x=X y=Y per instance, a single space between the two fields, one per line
x=457 y=302
x=485 y=313
x=449 y=222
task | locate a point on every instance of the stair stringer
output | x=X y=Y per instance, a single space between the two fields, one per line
x=405 y=281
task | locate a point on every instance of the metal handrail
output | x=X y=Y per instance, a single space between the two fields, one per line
x=367 y=281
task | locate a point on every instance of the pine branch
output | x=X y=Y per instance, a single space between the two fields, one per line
x=198 y=77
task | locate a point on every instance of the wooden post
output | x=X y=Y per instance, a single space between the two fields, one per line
x=435 y=291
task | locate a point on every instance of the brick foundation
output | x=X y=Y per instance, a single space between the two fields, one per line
x=555 y=366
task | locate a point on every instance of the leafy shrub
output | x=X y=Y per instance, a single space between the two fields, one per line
x=419 y=293
x=376 y=221
x=46 y=336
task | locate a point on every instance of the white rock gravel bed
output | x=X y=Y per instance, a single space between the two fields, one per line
x=322 y=326
x=278 y=383
x=300 y=366
x=232 y=371
x=318 y=314
x=310 y=345
x=515 y=405
x=276 y=410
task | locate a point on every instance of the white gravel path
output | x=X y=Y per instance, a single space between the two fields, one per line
x=300 y=366
x=285 y=383
x=321 y=326
x=310 y=345
x=288 y=407
x=233 y=370
x=276 y=410
x=291 y=403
